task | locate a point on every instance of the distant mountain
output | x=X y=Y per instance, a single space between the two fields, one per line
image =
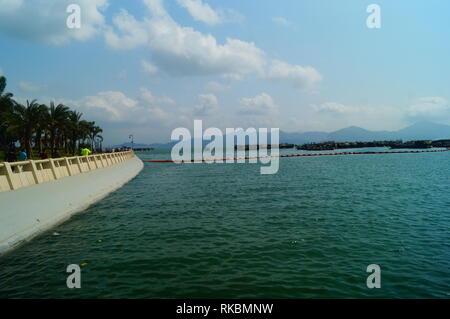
x=418 y=131
x=425 y=130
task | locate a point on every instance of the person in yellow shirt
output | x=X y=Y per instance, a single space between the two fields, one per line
x=85 y=151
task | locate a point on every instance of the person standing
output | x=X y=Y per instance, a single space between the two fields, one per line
x=11 y=156
x=85 y=151
x=23 y=155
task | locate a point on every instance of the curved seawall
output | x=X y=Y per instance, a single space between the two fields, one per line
x=28 y=211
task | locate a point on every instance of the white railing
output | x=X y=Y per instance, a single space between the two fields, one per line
x=26 y=173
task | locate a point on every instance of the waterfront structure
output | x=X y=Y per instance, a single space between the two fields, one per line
x=37 y=195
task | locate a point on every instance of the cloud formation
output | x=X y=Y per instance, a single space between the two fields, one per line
x=148 y=67
x=32 y=20
x=281 y=21
x=429 y=108
x=182 y=50
x=295 y=76
x=216 y=86
x=334 y=107
x=28 y=87
x=261 y=104
x=110 y=106
x=185 y=51
x=115 y=107
x=148 y=98
x=150 y=118
x=208 y=105
x=201 y=11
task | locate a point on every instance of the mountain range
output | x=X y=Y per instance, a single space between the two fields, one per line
x=419 y=131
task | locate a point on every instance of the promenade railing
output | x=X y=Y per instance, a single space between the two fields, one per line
x=26 y=173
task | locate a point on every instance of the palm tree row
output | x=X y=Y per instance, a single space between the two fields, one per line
x=44 y=128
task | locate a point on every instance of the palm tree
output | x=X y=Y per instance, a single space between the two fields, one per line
x=84 y=129
x=6 y=111
x=75 y=130
x=99 y=142
x=25 y=122
x=94 y=131
x=41 y=125
x=57 y=119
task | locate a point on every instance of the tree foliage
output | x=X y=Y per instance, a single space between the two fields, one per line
x=44 y=128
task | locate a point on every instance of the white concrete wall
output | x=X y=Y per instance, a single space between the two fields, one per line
x=28 y=211
x=26 y=173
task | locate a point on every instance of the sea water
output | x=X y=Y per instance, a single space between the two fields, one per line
x=224 y=230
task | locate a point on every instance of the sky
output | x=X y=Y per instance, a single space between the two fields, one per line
x=146 y=67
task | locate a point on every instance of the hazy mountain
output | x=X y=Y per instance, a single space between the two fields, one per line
x=425 y=130
x=418 y=131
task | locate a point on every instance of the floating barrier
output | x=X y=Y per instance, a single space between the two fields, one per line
x=293 y=155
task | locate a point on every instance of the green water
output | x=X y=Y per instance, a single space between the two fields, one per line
x=225 y=231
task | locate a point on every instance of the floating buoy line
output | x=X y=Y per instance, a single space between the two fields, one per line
x=291 y=155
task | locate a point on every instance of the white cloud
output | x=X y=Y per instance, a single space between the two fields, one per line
x=148 y=98
x=208 y=105
x=182 y=50
x=333 y=115
x=231 y=16
x=216 y=86
x=281 y=21
x=429 y=107
x=110 y=105
x=261 y=104
x=334 y=107
x=10 y=5
x=35 y=21
x=120 y=115
x=132 y=32
x=233 y=76
x=115 y=108
x=148 y=67
x=201 y=11
x=31 y=87
x=296 y=76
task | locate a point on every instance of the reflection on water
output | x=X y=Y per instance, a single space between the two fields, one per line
x=223 y=230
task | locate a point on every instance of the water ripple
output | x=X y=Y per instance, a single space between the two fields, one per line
x=197 y=230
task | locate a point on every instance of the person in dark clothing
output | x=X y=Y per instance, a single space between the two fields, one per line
x=11 y=156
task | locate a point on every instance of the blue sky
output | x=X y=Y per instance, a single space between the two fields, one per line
x=145 y=67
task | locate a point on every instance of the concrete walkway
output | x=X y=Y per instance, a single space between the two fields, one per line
x=26 y=212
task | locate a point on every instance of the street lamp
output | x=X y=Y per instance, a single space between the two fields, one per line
x=132 y=140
